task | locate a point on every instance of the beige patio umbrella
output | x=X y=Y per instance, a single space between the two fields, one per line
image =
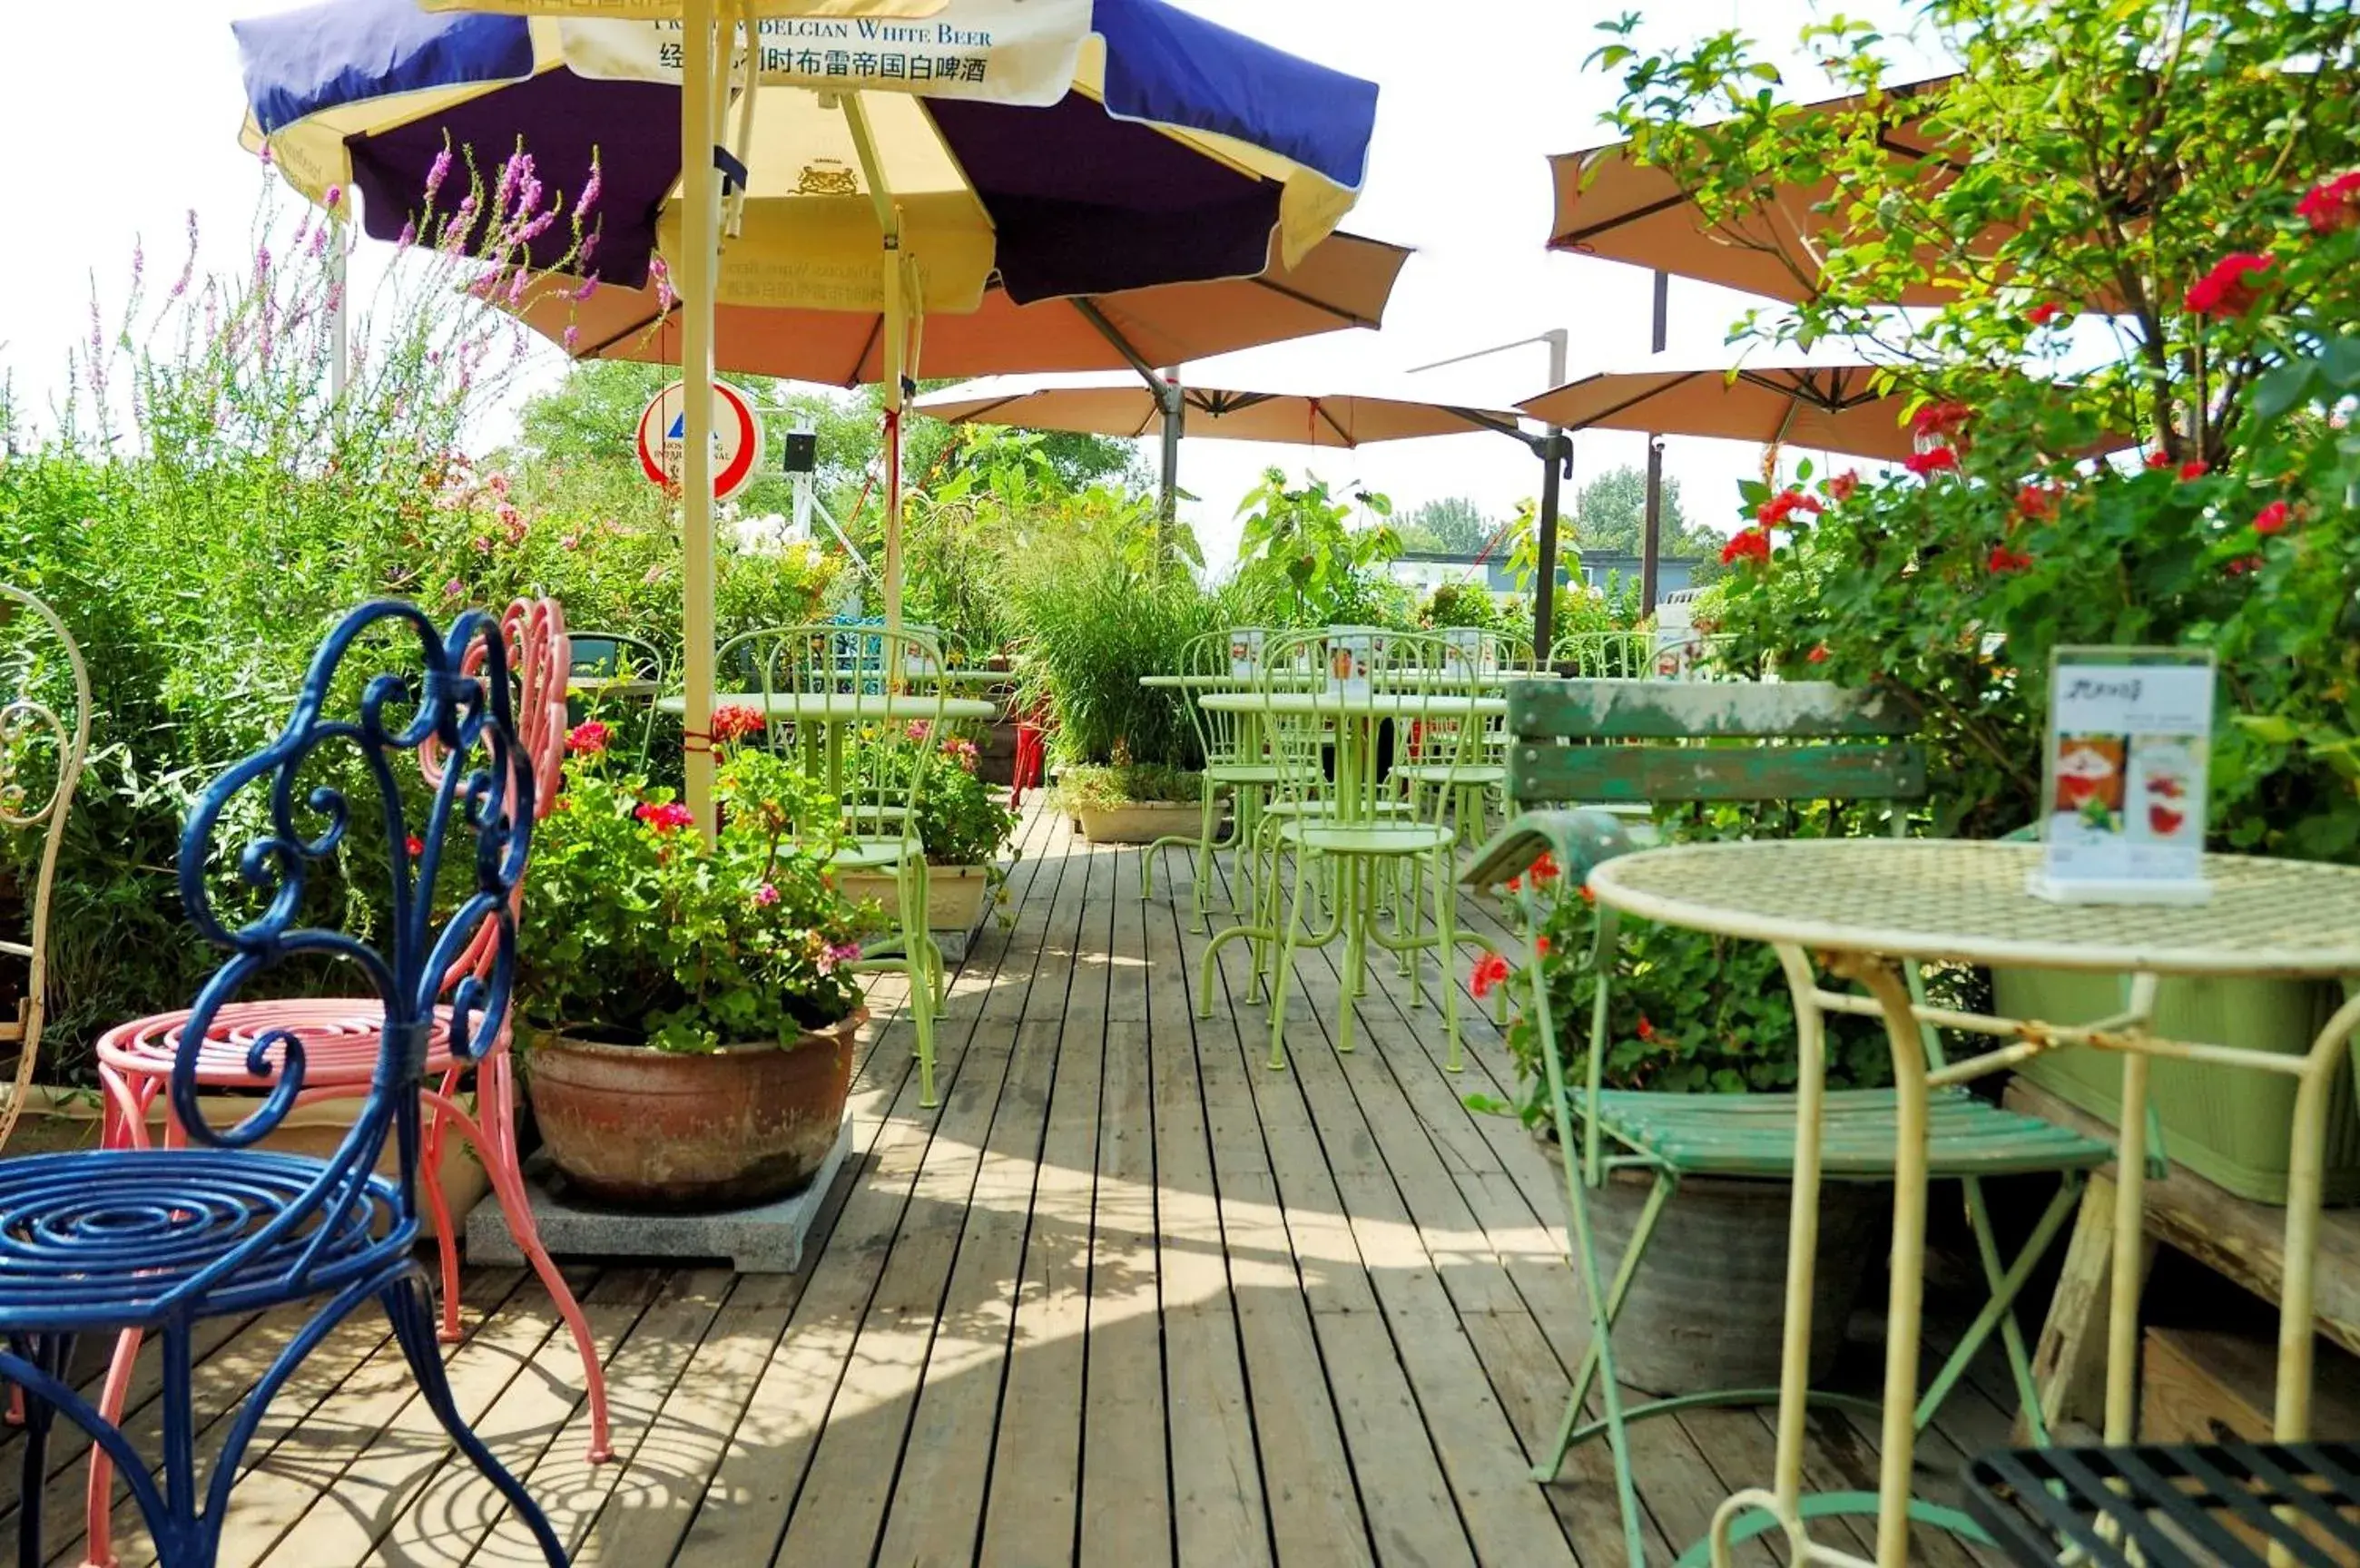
x=1610 y=205
x=1132 y=406
x=1823 y=403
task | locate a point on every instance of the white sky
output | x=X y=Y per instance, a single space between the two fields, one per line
x=131 y=111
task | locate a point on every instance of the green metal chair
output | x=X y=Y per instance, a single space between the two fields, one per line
x=861 y=709
x=615 y=667
x=1352 y=820
x=1607 y=742
x=1235 y=764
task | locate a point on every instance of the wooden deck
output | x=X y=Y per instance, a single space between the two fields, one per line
x=1128 y=1297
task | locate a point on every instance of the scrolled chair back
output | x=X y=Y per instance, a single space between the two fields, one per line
x=454 y=702
x=42 y=753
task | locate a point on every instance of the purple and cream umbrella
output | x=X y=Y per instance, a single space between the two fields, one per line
x=892 y=157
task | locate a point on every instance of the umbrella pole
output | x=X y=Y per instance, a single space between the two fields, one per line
x=1651 y=545
x=1554 y=451
x=1175 y=415
x=888 y=220
x=701 y=218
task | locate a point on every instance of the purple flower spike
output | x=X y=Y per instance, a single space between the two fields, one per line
x=437 y=173
x=572 y=339
x=589 y=287
x=590 y=191
x=408 y=234
x=335 y=195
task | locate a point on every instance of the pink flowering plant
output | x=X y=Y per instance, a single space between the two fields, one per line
x=642 y=930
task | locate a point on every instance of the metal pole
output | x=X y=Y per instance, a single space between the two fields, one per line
x=1175 y=415
x=699 y=261
x=1554 y=450
x=1651 y=541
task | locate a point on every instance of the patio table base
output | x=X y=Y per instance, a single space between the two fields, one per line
x=765 y=1239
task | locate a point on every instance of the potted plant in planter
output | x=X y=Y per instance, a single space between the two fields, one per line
x=1693 y=1014
x=687 y=1001
x=964 y=827
x=1132 y=802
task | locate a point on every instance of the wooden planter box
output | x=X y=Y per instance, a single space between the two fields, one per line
x=2230 y=1125
x=958 y=897
x=1141 y=824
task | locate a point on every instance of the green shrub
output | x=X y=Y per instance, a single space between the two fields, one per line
x=1082 y=785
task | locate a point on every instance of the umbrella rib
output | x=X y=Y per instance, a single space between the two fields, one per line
x=603 y=345
x=1319 y=407
x=1088 y=308
x=1682 y=379
x=1299 y=297
x=1576 y=237
x=1799 y=391
x=875 y=327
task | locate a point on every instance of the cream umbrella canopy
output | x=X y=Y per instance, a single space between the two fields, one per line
x=876 y=164
x=1129 y=406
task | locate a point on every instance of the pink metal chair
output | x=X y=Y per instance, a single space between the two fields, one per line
x=342 y=1039
x=1032 y=752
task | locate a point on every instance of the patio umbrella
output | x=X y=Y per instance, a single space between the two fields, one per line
x=1610 y=205
x=1128 y=406
x=1826 y=403
x=1067 y=147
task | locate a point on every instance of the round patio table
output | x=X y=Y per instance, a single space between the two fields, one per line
x=1861 y=908
x=843 y=707
x=1247 y=683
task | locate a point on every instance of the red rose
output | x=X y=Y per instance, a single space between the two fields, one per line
x=2332 y=204
x=1843 y=485
x=2040 y=315
x=1932 y=461
x=2232 y=288
x=2005 y=560
x=2273 y=518
x=1749 y=544
x=2195 y=468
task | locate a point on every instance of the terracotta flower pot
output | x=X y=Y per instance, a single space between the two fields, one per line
x=677 y=1131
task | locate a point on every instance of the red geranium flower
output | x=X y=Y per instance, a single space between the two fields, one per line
x=1818 y=655
x=1541 y=946
x=1490 y=970
x=1544 y=869
x=415 y=845
x=736 y=721
x=2232 y=288
x=1747 y=544
x=2158 y=458
x=2195 y=468
x=1587 y=896
x=1941 y=420
x=1932 y=461
x=1843 y=485
x=2243 y=565
x=2039 y=500
x=2040 y=315
x=665 y=817
x=587 y=738
x=2005 y=560
x=1647 y=1029
x=1775 y=511
x=2273 y=518
x=2332 y=204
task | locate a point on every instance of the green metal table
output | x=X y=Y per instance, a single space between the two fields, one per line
x=1862 y=907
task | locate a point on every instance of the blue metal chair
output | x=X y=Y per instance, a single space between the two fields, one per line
x=159 y=1240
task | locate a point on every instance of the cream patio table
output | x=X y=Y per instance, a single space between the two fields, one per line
x=828 y=714
x=1861 y=908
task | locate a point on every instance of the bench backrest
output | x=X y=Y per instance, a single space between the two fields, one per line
x=1617 y=741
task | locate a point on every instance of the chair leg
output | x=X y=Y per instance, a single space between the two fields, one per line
x=438 y=1205
x=914 y=941
x=1604 y=1304
x=1999 y=1311
x=412 y=1315
x=98 y=1548
x=1445 y=947
x=1290 y=915
x=1354 y=885
x=496 y=1112
x=1204 y=857
x=48 y=1353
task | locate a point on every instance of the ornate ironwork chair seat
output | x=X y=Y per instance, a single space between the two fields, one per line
x=111 y=1243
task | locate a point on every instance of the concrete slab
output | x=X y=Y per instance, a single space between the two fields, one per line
x=768 y=1239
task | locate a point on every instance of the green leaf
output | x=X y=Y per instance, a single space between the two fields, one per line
x=2282 y=389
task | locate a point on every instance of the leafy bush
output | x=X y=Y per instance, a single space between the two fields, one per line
x=1100 y=619
x=1301 y=565
x=960 y=821
x=642 y=931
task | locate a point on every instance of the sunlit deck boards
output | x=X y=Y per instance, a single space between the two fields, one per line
x=1128 y=1297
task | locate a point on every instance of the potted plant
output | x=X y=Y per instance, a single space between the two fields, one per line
x=1132 y=802
x=688 y=1000
x=1693 y=1014
x=964 y=827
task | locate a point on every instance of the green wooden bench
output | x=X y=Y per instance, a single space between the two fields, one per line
x=1575 y=745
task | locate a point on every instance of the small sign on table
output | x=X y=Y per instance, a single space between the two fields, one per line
x=2122 y=820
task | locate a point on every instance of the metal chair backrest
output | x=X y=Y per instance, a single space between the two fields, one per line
x=1406 y=677
x=605 y=668
x=42 y=753
x=1607 y=655
x=347 y=734
x=1226 y=738
x=860 y=707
